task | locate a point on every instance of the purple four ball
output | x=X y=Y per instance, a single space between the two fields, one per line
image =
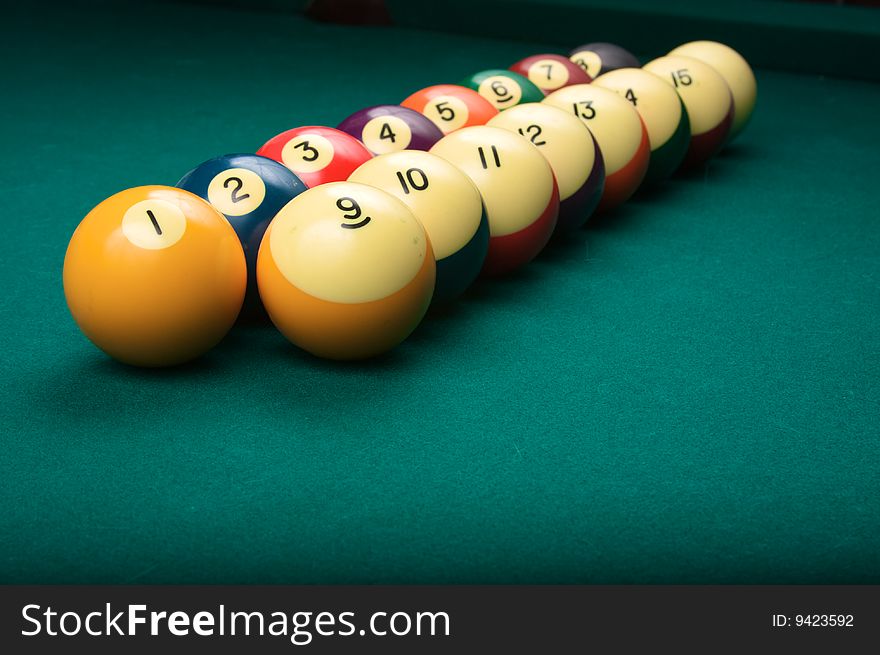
x=423 y=133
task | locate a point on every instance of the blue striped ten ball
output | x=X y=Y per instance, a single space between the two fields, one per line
x=346 y=271
x=518 y=188
x=449 y=207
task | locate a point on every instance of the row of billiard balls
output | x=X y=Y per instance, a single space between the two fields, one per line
x=345 y=236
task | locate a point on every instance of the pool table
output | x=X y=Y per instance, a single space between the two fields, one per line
x=685 y=391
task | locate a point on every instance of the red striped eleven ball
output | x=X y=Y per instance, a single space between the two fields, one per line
x=346 y=271
x=619 y=131
x=317 y=154
x=707 y=99
x=518 y=188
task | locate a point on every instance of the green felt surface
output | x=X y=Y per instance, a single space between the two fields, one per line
x=804 y=37
x=685 y=392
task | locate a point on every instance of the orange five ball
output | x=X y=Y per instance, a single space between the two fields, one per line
x=451 y=106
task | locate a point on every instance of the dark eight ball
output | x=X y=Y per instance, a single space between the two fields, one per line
x=599 y=58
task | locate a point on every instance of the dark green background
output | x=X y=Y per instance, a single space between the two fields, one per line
x=685 y=392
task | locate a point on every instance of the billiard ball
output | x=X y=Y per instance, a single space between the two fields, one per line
x=503 y=88
x=600 y=58
x=618 y=130
x=451 y=106
x=248 y=190
x=662 y=112
x=571 y=151
x=449 y=207
x=551 y=72
x=154 y=276
x=518 y=188
x=316 y=154
x=389 y=128
x=736 y=72
x=346 y=271
x=707 y=99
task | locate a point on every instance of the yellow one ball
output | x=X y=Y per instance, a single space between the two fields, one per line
x=736 y=72
x=345 y=271
x=154 y=276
